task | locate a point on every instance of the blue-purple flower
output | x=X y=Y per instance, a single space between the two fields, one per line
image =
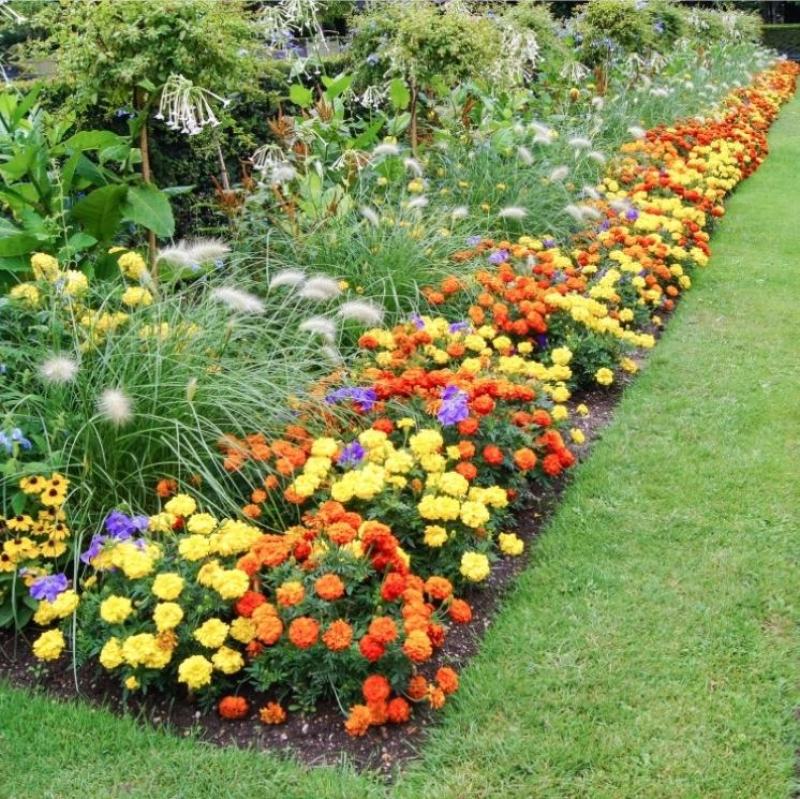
x=631 y=215
x=458 y=327
x=364 y=398
x=122 y=527
x=95 y=548
x=473 y=241
x=454 y=407
x=352 y=455
x=497 y=258
x=417 y=321
x=49 y=587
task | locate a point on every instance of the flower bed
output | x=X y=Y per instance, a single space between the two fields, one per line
x=406 y=501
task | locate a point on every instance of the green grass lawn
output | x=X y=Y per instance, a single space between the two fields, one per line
x=651 y=649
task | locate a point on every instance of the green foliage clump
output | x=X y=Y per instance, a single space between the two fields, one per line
x=428 y=46
x=537 y=18
x=611 y=27
x=668 y=19
x=106 y=49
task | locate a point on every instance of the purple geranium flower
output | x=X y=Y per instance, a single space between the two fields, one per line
x=49 y=587
x=417 y=321
x=458 y=327
x=95 y=547
x=472 y=241
x=364 y=398
x=352 y=455
x=549 y=243
x=497 y=258
x=454 y=407
x=631 y=215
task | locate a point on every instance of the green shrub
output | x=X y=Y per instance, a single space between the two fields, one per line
x=783 y=38
x=613 y=27
x=668 y=19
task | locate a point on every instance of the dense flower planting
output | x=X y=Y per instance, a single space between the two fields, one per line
x=405 y=500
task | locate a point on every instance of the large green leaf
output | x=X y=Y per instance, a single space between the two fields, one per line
x=399 y=95
x=300 y=95
x=150 y=208
x=90 y=140
x=336 y=86
x=101 y=211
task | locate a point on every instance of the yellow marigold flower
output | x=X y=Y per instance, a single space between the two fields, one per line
x=167 y=615
x=560 y=394
x=115 y=609
x=44 y=266
x=131 y=683
x=208 y=573
x=195 y=672
x=324 y=447
x=230 y=583
x=135 y=563
x=475 y=566
x=201 y=524
x=243 y=630
x=453 y=483
x=75 y=283
x=132 y=265
x=227 y=660
x=212 y=633
x=559 y=413
x=168 y=586
x=561 y=356
x=161 y=523
x=194 y=547
x=577 y=435
x=49 y=645
x=629 y=365
x=510 y=544
x=135 y=296
x=406 y=423
x=181 y=505
x=433 y=462
x=435 y=536
x=605 y=377
x=111 y=654
x=582 y=409
x=474 y=514
x=25 y=293
x=64 y=605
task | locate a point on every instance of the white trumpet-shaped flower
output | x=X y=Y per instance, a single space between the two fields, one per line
x=186 y=107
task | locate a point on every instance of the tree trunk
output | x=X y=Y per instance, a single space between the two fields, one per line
x=144 y=147
x=412 y=129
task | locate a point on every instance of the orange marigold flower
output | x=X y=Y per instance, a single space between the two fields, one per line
x=551 y=465
x=468 y=426
x=248 y=602
x=338 y=636
x=383 y=628
x=384 y=425
x=233 y=707
x=492 y=455
x=417 y=687
x=290 y=593
x=376 y=688
x=272 y=550
x=467 y=470
x=541 y=418
x=525 y=459
x=436 y=697
x=438 y=587
x=269 y=630
x=393 y=586
x=166 y=488
x=251 y=511
x=270 y=482
x=398 y=711
x=264 y=611
x=341 y=533
x=304 y=632
x=466 y=449
x=272 y=713
x=460 y=611
x=329 y=587
x=417 y=646
x=358 y=721
x=482 y=405
x=258 y=495
x=379 y=711
x=248 y=563
x=447 y=679
x=371 y=648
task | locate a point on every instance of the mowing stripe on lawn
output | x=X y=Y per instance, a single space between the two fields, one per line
x=650 y=650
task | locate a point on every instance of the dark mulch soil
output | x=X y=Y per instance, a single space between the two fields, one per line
x=318 y=738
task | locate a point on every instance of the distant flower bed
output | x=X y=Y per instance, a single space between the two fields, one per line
x=388 y=519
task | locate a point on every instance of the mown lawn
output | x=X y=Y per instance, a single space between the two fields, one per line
x=652 y=648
